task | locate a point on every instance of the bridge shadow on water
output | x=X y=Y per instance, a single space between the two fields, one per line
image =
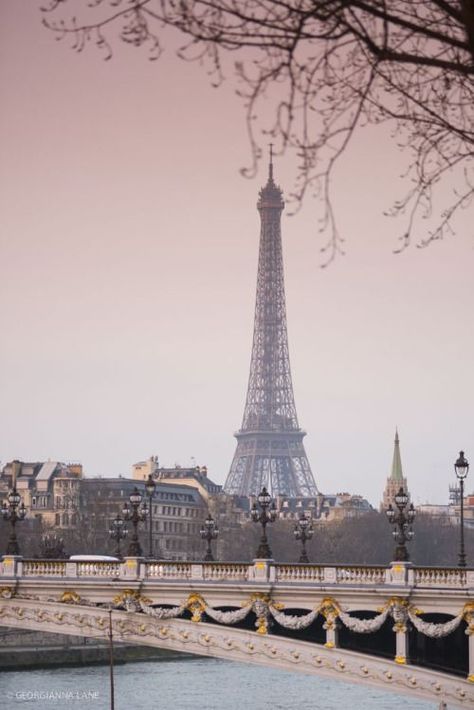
x=448 y=654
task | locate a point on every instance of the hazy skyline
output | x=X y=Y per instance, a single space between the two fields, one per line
x=129 y=246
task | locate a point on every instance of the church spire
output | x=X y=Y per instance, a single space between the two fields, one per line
x=396 y=479
x=397 y=472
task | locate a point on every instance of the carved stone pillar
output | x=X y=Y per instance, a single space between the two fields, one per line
x=330 y=612
x=469 y=617
x=400 y=616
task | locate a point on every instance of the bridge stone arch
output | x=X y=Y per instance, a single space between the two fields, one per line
x=73 y=618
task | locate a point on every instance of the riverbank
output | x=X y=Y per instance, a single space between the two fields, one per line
x=29 y=650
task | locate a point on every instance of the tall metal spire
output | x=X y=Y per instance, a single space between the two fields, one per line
x=270 y=164
x=270 y=447
x=397 y=472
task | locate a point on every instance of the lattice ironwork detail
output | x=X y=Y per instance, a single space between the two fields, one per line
x=270 y=447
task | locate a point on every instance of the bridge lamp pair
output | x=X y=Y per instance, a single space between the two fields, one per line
x=209 y=532
x=461 y=468
x=266 y=514
x=135 y=513
x=402 y=520
x=13 y=510
x=303 y=531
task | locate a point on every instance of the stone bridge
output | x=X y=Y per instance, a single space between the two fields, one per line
x=405 y=628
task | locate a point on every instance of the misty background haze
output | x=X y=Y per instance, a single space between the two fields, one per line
x=129 y=246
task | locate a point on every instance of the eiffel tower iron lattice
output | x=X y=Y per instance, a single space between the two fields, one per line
x=270 y=450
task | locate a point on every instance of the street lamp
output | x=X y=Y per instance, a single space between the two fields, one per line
x=135 y=514
x=209 y=532
x=13 y=509
x=267 y=514
x=150 y=487
x=402 y=521
x=461 y=468
x=303 y=531
x=118 y=531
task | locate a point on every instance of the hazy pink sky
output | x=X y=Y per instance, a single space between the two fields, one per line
x=129 y=247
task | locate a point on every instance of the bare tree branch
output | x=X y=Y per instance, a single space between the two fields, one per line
x=327 y=67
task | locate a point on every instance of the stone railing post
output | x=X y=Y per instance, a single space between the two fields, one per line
x=71 y=569
x=399 y=574
x=262 y=571
x=131 y=567
x=197 y=571
x=330 y=575
x=12 y=566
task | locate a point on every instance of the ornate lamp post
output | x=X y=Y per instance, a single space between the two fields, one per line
x=13 y=509
x=267 y=514
x=209 y=532
x=135 y=514
x=402 y=521
x=150 y=487
x=461 y=468
x=118 y=531
x=303 y=531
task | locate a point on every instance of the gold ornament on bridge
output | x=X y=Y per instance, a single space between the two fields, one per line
x=69 y=596
x=130 y=599
x=7 y=592
x=330 y=609
x=197 y=606
x=468 y=614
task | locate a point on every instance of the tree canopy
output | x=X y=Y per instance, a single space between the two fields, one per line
x=326 y=68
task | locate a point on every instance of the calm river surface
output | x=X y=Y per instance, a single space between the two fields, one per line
x=190 y=684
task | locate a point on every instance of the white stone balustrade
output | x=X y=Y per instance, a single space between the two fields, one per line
x=225 y=571
x=396 y=574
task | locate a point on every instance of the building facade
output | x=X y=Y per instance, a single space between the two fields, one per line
x=50 y=490
x=177 y=515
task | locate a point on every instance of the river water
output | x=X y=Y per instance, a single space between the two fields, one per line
x=190 y=684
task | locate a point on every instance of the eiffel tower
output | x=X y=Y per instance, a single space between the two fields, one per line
x=270 y=450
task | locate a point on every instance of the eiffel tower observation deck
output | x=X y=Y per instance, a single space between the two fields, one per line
x=270 y=450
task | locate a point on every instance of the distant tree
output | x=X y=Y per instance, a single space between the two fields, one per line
x=360 y=540
x=326 y=68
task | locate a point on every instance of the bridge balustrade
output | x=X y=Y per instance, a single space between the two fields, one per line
x=264 y=570
x=440 y=577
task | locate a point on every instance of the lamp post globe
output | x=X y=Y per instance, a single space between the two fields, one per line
x=461 y=468
x=401 y=519
x=135 y=514
x=13 y=510
x=118 y=531
x=303 y=531
x=266 y=514
x=209 y=532
x=150 y=487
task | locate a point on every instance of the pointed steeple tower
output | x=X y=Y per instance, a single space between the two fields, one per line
x=397 y=473
x=396 y=479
